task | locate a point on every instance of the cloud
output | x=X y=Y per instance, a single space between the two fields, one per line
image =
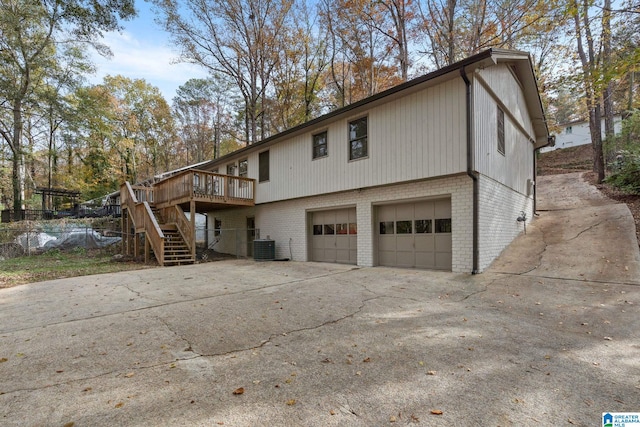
x=153 y=61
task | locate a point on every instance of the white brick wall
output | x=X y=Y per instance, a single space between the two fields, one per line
x=499 y=208
x=287 y=222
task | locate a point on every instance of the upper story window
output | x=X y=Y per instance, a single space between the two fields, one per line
x=263 y=166
x=358 y=144
x=231 y=169
x=568 y=130
x=320 y=145
x=243 y=168
x=501 y=144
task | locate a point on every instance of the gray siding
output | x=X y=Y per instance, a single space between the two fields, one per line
x=417 y=136
x=515 y=167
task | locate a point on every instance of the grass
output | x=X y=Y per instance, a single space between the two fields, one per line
x=58 y=265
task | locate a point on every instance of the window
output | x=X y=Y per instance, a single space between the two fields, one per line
x=217 y=227
x=568 y=130
x=358 y=139
x=423 y=226
x=263 y=166
x=320 y=145
x=243 y=168
x=243 y=171
x=329 y=229
x=317 y=230
x=500 y=131
x=342 y=229
x=231 y=169
x=443 y=225
x=386 y=227
x=404 y=227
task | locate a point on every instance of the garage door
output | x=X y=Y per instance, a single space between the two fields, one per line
x=415 y=234
x=334 y=236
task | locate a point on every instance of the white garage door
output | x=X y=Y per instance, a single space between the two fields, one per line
x=415 y=234
x=334 y=236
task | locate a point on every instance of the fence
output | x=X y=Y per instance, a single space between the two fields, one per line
x=32 y=239
x=225 y=242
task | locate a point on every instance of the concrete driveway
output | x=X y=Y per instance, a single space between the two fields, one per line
x=549 y=336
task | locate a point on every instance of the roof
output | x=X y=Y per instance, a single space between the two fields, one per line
x=520 y=60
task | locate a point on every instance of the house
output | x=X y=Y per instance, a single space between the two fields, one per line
x=436 y=173
x=577 y=132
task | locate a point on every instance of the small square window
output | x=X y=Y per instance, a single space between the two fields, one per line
x=329 y=229
x=423 y=226
x=404 y=227
x=353 y=228
x=386 y=227
x=342 y=229
x=443 y=225
x=358 y=139
x=320 y=145
x=317 y=230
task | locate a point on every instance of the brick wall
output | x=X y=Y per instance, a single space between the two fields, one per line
x=499 y=207
x=287 y=222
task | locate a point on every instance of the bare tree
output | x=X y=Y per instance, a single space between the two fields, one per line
x=238 y=38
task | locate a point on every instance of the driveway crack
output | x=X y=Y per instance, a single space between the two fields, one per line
x=293 y=331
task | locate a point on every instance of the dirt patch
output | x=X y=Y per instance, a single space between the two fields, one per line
x=566 y=160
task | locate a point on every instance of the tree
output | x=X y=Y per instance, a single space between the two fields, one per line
x=142 y=131
x=31 y=33
x=361 y=63
x=238 y=38
x=202 y=109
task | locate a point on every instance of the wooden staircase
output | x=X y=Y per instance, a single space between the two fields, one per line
x=156 y=215
x=176 y=251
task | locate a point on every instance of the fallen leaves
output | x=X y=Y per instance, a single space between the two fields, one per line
x=238 y=391
x=436 y=412
x=291 y=402
x=119 y=405
x=129 y=375
x=3 y=359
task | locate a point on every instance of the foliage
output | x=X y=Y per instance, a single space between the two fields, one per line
x=38 y=37
x=623 y=153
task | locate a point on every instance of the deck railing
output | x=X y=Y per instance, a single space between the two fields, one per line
x=204 y=186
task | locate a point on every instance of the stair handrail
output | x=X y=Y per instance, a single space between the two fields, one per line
x=143 y=217
x=153 y=233
x=184 y=226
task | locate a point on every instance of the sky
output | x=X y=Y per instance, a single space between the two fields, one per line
x=142 y=50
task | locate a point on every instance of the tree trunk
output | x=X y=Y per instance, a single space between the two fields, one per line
x=17 y=176
x=607 y=95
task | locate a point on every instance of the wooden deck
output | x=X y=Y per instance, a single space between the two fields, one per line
x=150 y=210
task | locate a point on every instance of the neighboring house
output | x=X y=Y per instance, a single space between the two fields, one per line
x=577 y=133
x=433 y=173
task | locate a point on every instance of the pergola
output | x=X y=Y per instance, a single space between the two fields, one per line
x=49 y=193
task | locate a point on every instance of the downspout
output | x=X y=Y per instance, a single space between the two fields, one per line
x=470 y=169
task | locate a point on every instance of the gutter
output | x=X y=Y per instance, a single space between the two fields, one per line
x=470 y=169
